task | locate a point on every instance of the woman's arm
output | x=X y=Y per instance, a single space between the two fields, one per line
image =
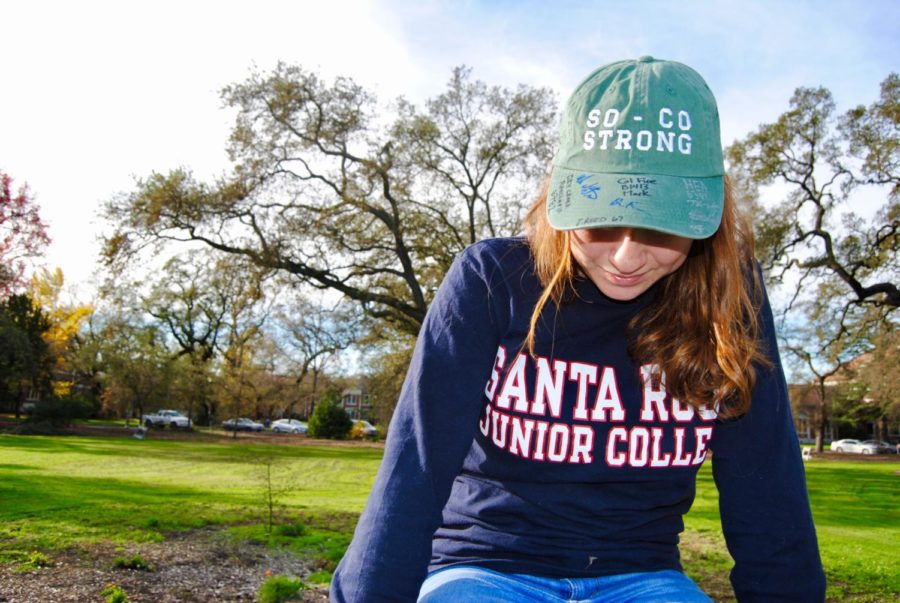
x=763 y=502
x=430 y=433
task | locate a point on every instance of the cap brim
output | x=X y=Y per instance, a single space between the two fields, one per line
x=685 y=206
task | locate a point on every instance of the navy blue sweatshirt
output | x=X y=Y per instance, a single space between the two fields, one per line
x=573 y=463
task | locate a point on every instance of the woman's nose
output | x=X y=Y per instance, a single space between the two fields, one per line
x=628 y=255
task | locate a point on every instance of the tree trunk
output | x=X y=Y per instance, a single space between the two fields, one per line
x=823 y=418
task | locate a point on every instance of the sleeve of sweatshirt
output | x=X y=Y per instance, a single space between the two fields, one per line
x=430 y=434
x=763 y=500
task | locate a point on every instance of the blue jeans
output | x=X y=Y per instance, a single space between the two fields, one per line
x=469 y=583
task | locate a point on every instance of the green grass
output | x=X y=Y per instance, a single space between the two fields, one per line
x=856 y=508
x=59 y=492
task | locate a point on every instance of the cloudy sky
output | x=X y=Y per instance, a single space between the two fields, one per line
x=96 y=93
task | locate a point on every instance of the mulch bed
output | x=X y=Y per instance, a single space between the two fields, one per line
x=194 y=567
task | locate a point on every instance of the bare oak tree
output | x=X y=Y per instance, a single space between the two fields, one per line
x=207 y=306
x=311 y=334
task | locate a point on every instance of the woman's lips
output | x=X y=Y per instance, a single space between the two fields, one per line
x=624 y=281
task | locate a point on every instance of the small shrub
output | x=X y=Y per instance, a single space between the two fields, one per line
x=152 y=523
x=291 y=530
x=320 y=577
x=114 y=594
x=36 y=560
x=280 y=588
x=135 y=562
x=329 y=420
x=61 y=412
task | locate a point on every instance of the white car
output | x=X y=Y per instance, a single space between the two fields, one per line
x=365 y=428
x=856 y=446
x=289 y=426
x=167 y=418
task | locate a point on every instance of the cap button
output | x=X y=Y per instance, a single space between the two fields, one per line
x=645 y=59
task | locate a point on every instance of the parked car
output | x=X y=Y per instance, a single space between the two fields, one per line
x=167 y=418
x=241 y=424
x=289 y=426
x=881 y=447
x=856 y=446
x=364 y=428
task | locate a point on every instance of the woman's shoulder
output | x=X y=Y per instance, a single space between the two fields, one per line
x=507 y=253
x=502 y=264
x=505 y=265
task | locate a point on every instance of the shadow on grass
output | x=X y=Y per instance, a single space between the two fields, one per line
x=16 y=467
x=40 y=512
x=61 y=497
x=70 y=502
x=56 y=511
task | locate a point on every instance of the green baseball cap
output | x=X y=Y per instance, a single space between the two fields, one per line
x=640 y=147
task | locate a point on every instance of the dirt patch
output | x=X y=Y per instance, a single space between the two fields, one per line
x=201 y=434
x=195 y=567
x=829 y=455
x=706 y=560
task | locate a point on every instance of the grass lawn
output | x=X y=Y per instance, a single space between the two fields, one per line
x=856 y=508
x=58 y=492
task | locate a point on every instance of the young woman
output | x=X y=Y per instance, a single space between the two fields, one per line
x=567 y=386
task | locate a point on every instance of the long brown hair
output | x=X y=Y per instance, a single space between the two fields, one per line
x=701 y=330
